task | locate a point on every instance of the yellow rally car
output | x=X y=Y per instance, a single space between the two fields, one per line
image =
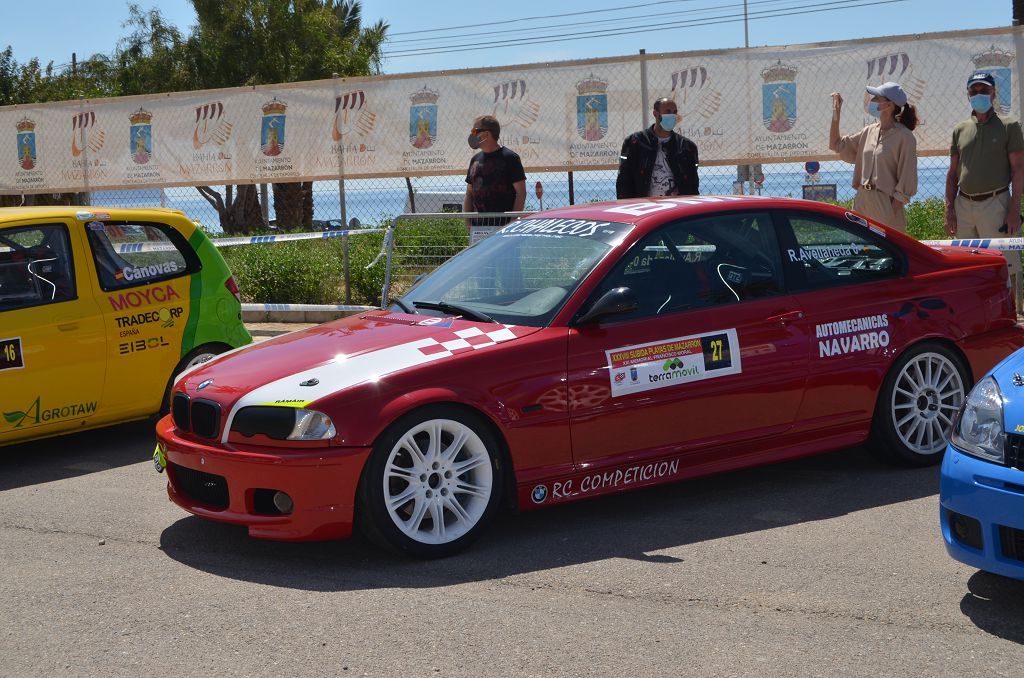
x=100 y=309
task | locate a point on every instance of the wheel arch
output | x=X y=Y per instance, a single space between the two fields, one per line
x=881 y=439
x=945 y=342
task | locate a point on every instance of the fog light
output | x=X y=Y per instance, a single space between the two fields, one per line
x=283 y=502
x=966 y=530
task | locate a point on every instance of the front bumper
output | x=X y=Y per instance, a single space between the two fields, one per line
x=321 y=482
x=993 y=495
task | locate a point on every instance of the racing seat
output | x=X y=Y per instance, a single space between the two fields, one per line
x=679 y=284
x=17 y=285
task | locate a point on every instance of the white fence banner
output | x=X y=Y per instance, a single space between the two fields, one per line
x=739 y=106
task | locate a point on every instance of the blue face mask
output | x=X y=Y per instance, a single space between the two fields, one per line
x=668 y=121
x=873 y=109
x=981 y=103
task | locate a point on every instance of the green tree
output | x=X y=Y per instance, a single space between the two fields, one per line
x=257 y=42
x=244 y=43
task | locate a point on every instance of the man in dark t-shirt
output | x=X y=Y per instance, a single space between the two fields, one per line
x=495 y=181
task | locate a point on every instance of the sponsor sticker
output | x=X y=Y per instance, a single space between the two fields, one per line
x=131 y=273
x=37 y=413
x=857 y=219
x=608 y=232
x=11 y=356
x=165 y=316
x=539 y=494
x=853 y=335
x=142 y=297
x=139 y=345
x=619 y=478
x=822 y=252
x=661 y=364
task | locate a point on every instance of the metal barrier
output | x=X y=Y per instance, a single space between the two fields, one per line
x=132 y=248
x=1001 y=244
x=420 y=257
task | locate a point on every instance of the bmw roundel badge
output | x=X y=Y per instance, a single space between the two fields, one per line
x=540 y=493
x=204 y=384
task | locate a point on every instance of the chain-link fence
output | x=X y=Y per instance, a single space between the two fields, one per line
x=378 y=201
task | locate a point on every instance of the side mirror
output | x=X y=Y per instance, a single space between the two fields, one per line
x=613 y=302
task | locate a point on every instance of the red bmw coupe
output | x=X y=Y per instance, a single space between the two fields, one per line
x=590 y=350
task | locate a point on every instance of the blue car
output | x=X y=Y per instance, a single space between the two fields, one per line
x=981 y=493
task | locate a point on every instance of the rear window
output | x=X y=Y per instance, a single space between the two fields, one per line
x=131 y=255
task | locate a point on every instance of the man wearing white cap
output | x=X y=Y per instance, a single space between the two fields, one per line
x=884 y=156
x=986 y=174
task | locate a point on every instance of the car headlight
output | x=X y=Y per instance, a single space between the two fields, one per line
x=312 y=425
x=283 y=423
x=979 y=426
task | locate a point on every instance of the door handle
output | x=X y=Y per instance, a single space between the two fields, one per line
x=786 y=318
x=68 y=326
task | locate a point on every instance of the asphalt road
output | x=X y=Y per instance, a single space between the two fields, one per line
x=826 y=566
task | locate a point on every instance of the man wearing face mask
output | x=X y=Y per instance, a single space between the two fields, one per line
x=657 y=161
x=495 y=181
x=986 y=174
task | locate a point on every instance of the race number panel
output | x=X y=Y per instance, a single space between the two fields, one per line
x=11 y=357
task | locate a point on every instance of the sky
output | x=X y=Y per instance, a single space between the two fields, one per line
x=52 y=29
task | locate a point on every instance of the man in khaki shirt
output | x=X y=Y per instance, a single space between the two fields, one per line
x=986 y=174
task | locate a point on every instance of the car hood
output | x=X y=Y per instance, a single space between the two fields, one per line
x=298 y=368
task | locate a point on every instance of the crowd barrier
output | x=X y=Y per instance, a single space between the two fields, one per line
x=1001 y=244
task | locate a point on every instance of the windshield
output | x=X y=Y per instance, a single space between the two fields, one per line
x=521 y=275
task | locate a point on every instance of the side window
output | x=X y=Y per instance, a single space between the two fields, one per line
x=830 y=252
x=35 y=266
x=130 y=255
x=697 y=263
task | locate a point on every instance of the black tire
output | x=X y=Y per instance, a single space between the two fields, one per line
x=200 y=353
x=917 y=403
x=439 y=516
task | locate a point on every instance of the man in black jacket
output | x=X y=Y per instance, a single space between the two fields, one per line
x=657 y=161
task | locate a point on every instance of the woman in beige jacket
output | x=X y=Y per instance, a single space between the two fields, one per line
x=884 y=156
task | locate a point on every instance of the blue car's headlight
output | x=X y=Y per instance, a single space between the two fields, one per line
x=979 y=428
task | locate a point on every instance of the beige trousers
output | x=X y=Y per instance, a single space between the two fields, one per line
x=983 y=219
x=878 y=206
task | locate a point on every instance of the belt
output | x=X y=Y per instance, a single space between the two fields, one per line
x=868 y=186
x=984 y=196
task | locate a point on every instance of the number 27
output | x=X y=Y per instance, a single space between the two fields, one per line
x=716 y=350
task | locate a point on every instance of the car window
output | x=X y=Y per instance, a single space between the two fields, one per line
x=35 y=266
x=129 y=255
x=830 y=252
x=697 y=263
